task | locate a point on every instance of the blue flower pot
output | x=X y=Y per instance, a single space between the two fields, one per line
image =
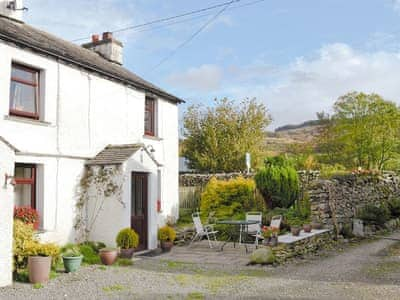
x=72 y=264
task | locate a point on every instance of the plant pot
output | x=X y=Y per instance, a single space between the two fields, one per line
x=166 y=246
x=126 y=253
x=307 y=228
x=108 y=256
x=39 y=268
x=273 y=241
x=295 y=230
x=316 y=225
x=72 y=264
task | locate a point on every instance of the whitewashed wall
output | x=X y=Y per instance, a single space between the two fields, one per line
x=6 y=214
x=82 y=113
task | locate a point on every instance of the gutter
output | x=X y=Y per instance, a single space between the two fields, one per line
x=91 y=68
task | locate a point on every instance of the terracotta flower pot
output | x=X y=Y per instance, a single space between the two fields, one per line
x=39 y=268
x=166 y=245
x=126 y=253
x=108 y=256
x=295 y=230
x=307 y=228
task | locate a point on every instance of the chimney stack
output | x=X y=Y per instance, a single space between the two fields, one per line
x=108 y=47
x=12 y=9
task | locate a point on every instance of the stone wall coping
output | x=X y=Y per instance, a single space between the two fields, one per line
x=290 y=239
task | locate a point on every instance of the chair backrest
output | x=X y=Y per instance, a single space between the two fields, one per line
x=276 y=222
x=254 y=216
x=197 y=222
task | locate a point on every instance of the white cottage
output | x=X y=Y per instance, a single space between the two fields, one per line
x=67 y=109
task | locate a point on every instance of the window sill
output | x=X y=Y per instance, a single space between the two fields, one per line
x=26 y=120
x=151 y=137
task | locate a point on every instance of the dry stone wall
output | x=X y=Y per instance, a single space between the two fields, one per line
x=335 y=202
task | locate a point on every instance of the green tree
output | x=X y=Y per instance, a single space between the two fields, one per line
x=218 y=137
x=278 y=182
x=363 y=131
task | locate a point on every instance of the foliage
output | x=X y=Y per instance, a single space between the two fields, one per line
x=372 y=214
x=23 y=234
x=97 y=185
x=96 y=246
x=229 y=199
x=71 y=250
x=34 y=248
x=90 y=256
x=166 y=234
x=327 y=171
x=127 y=238
x=394 y=207
x=363 y=132
x=217 y=138
x=123 y=262
x=26 y=214
x=278 y=182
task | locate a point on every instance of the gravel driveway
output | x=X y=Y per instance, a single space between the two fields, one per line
x=359 y=272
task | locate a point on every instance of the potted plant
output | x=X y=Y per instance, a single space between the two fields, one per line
x=295 y=227
x=270 y=235
x=28 y=215
x=307 y=228
x=316 y=225
x=40 y=259
x=127 y=240
x=72 y=258
x=108 y=256
x=166 y=235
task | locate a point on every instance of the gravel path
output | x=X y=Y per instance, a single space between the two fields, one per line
x=355 y=273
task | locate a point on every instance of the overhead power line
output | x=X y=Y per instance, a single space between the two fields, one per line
x=197 y=32
x=224 y=5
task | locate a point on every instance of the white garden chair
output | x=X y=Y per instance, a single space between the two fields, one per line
x=276 y=222
x=254 y=229
x=203 y=231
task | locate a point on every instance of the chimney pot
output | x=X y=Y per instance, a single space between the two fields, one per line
x=107 y=36
x=95 y=38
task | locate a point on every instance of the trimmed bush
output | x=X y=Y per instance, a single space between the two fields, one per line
x=23 y=234
x=278 y=182
x=166 y=233
x=229 y=199
x=127 y=238
x=372 y=214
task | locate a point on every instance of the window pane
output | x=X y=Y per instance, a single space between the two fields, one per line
x=23 y=97
x=22 y=172
x=24 y=75
x=23 y=194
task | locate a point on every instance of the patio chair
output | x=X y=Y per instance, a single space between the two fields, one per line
x=203 y=231
x=276 y=222
x=254 y=229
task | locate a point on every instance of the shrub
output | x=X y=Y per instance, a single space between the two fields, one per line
x=127 y=238
x=71 y=250
x=229 y=199
x=278 y=182
x=33 y=248
x=372 y=214
x=394 y=207
x=23 y=234
x=90 y=256
x=166 y=233
x=96 y=246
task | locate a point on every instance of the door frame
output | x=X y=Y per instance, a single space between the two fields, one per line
x=146 y=205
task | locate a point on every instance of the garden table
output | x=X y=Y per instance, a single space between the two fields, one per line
x=232 y=234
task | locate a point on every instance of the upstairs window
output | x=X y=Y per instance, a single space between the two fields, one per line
x=24 y=92
x=150 y=117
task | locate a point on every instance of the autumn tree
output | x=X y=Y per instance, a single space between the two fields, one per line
x=364 y=131
x=217 y=138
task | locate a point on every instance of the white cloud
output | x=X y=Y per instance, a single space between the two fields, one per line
x=205 y=78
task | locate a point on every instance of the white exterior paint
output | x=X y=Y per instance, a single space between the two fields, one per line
x=81 y=113
x=6 y=214
x=13 y=14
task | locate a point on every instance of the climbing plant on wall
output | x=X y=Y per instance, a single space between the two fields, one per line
x=97 y=185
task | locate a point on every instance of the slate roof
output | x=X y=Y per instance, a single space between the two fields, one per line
x=25 y=36
x=114 y=154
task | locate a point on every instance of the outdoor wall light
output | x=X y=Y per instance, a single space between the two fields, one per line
x=150 y=148
x=8 y=179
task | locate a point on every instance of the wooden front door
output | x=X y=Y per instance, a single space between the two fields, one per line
x=139 y=207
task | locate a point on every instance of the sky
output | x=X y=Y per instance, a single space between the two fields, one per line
x=295 y=56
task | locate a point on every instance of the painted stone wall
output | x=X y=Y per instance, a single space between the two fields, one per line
x=335 y=202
